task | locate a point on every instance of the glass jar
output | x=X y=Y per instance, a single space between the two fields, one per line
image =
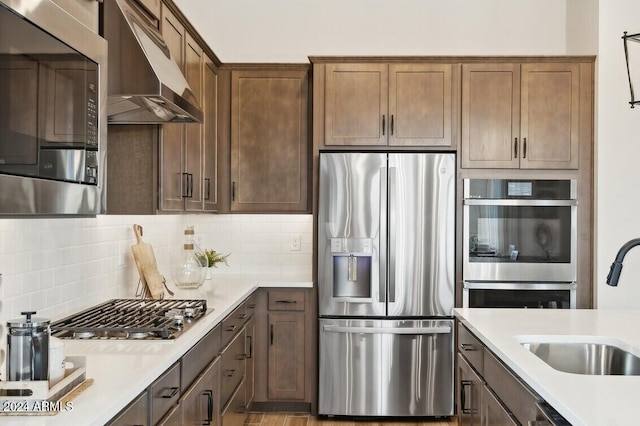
x=189 y=265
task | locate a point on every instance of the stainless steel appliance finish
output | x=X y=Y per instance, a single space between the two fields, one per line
x=146 y=84
x=520 y=230
x=386 y=226
x=519 y=295
x=28 y=348
x=586 y=358
x=52 y=131
x=132 y=319
x=386 y=367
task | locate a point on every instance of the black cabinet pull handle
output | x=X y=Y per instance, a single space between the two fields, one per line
x=515 y=148
x=232 y=328
x=242 y=357
x=251 y=306
x=173 y=391
x=271 y=333
x=383 y=124
x=242 y=316
x=467 y=347
x=286 y=301
x=208 y=188
x=231 y=373
x=392 y=124
x=185 y=185
x=463 y=398
x=524 y=149
x=233 y=191
x=209 y=395
x=190 y=185
x=250 y=344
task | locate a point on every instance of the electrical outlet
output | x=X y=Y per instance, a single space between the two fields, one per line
x=295 y=242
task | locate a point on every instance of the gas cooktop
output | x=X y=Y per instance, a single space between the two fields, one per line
x=131 y=319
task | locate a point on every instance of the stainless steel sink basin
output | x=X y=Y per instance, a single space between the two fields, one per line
x=586 y=358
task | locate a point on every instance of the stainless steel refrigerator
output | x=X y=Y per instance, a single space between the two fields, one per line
x=386 y=235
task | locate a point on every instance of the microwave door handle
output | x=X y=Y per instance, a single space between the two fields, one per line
x=392 y=233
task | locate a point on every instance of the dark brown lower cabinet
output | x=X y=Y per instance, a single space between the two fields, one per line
x=286 y=355
x=135 y=414
x=200 y=404
x=469 y=394
x=494 y=413
x=283 y=350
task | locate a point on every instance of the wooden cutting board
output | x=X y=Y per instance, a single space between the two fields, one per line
x=145 y=260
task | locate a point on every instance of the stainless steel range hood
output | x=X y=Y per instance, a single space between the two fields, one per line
x=145 y=84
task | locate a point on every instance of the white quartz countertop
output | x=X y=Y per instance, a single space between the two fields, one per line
x=581 y=399
x=121 y=370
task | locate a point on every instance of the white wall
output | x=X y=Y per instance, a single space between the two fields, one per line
x=618 y=154
x=291 y=30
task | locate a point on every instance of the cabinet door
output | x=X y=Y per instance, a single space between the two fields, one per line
x=493 y=413
x=356 y=97
x=469 y=394
x=201 y=403
x=286 y=355
x=173 y=182
x=151 y=6
x=420 y=104
x=193 y=150
x=210 y=136
x=550 y=116
x=269 y=141
x=250 y=360
x=490 y=115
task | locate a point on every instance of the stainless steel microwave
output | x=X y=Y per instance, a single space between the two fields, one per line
x=52 y=112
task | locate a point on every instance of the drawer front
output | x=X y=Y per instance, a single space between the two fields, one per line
x=200 y=356
x=251 y=304
x=134 y=414
x=286 y=300
x=165 y=393
x=233 y=323
x=520 y=401
x=232 y=367
x=470 y=347
x=235 y=413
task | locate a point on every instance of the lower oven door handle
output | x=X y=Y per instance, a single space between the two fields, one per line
x=479 y=285
x=385 y=330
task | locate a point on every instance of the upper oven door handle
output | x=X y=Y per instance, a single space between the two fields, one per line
x=519 y=202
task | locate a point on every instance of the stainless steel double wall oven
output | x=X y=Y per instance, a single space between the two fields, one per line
x=519 y=243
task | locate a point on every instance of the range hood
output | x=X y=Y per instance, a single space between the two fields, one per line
x=145 y=84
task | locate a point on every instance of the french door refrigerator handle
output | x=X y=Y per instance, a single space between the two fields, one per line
x=386 y=330
x=382 y=280
x=391 y=247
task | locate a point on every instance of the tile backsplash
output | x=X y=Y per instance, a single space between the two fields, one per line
x=60 y=266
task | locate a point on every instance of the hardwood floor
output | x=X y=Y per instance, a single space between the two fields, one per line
x=303 y=419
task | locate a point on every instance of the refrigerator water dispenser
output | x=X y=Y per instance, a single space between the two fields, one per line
x=352 y=276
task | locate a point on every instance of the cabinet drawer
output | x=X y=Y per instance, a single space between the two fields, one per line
x=470 y=347
x=233 y=323
x=251 y=304
x=134 y=414
x=232 y=367
x=511 y=391
x=165 y=393
x=199 y=356
x=235 y=412
x=286 y=300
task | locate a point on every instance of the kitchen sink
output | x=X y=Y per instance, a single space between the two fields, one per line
x=586 y=358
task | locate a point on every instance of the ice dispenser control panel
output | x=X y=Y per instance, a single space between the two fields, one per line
x=351 y=267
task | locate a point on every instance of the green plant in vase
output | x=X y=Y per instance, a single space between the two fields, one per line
x=214 y=258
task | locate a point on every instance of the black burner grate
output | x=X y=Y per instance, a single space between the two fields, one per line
x=131 y=319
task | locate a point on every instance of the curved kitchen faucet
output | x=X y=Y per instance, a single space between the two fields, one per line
x=616 y=266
